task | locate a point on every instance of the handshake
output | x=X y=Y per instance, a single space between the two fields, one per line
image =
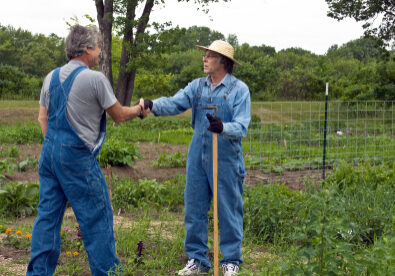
x=146 y=107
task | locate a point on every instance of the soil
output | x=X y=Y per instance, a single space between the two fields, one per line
x=150 y=152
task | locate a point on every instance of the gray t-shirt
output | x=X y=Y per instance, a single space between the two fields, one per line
x=90 y=95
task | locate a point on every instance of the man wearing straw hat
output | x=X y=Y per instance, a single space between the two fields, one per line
x=232 y=99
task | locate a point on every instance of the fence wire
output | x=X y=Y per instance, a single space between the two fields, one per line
x=285 y=139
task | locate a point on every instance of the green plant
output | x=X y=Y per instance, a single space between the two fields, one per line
x=118 y=152
x=17 y=239
x=170 y=160
x=18 y=199
x=13 y=151
x=29 y=163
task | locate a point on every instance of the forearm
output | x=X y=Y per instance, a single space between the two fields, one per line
x=123 y=113
x=43 y=120
x=43 y=125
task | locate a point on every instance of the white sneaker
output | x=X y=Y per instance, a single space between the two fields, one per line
x=191 y=269
x=230 y=269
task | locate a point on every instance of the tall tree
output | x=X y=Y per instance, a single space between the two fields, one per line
x=368 y=11
x=135 y=38
x=105 y=18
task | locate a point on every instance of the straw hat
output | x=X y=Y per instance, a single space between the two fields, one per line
x=221 y=47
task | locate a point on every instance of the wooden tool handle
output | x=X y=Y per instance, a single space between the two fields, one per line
x=215 y=202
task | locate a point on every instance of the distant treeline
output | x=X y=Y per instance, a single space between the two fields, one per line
x=357 y=70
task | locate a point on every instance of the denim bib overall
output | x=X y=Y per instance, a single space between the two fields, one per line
x=69 y=172
x=199 y=184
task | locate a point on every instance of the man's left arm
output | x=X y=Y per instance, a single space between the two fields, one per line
x=238 y=127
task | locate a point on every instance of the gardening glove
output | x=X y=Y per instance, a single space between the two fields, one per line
x=215 y=123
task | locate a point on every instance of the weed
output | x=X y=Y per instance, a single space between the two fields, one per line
x=170 y=160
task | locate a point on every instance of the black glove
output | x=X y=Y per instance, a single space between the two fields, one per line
x=147 y=104
x=215 y=123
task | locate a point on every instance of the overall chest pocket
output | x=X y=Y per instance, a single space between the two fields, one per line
x=204 y=107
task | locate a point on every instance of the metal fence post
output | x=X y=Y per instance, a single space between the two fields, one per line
x=325 y=123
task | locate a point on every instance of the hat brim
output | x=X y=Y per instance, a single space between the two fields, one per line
x=205 y=49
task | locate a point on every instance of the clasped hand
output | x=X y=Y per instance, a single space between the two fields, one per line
x=146 y=107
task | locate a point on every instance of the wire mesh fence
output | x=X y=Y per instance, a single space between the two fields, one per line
x=285 y=141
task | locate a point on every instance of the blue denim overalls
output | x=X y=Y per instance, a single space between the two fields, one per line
x=199 y=185
x=69 y=171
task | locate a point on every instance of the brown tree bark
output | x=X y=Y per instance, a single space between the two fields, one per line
x=105 y=19
x=125 y=84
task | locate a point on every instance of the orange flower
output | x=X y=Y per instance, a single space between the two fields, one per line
x=19 y=232
x=76 y=253
x=8 y=230
x=68 y=253
x=28 y=236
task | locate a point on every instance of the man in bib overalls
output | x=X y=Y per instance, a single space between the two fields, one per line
x=73 y=105
x=232 y=99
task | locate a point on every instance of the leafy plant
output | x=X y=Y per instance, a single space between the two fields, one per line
x=170 y=160
x=13 y=151
x=19 y=199
x=128 y=194
x=118 y=153
x=29 y=163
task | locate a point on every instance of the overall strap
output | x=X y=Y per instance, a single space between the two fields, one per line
x=70 y=79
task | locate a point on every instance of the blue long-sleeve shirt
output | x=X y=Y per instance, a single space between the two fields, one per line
x=238 y=100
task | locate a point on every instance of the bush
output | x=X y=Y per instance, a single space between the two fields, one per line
x=128 y=194
x=19 y=199
x=118 y=153
x=21 y=134
x=170 y=161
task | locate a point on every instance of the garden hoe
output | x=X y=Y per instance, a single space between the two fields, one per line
x=215 y=194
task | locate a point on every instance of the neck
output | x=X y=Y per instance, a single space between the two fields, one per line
x=82 y=58
x=217 y=77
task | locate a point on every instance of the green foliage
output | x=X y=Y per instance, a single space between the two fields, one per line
x=128 y=194
x=13 y=151
x=117 y=152
x=31 y=54
x=368 y=11
x=7 y=165
x=27 y=164
x=21 y=134
x=18 y=199
x=270 y=211
x=148 y=84
x=170 y=160
x=344 y=226
x=15 y=84
x=173 y=130
x=17 y=240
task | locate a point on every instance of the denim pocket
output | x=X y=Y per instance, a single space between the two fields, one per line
x=75 y=159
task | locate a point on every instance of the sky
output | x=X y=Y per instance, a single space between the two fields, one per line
x=278 y=23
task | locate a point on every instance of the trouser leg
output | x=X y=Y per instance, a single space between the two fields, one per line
x=90 y=202
x=230 y=214
x=45 y=244
x=197 y=199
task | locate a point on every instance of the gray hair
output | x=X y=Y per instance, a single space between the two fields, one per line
x=80 y=38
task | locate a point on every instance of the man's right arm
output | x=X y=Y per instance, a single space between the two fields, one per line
x=43 y=119
x=121 y=113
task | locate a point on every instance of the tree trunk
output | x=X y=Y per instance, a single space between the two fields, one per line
x=126 y=77
x=105 y=19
